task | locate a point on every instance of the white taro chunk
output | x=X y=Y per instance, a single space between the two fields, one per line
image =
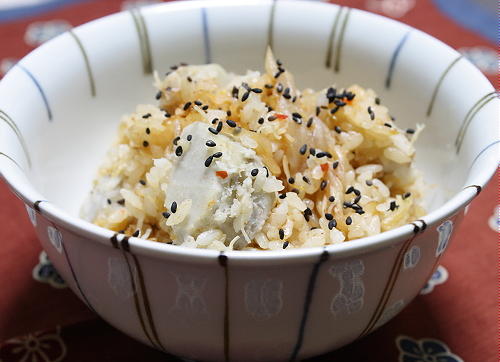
x=227 y=201
x=263 y=298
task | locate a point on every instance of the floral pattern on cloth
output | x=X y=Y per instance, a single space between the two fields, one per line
x=39 y=32
x=34 y=347
x=494 y=220
x=45 y=272
x=485 y=58
x=424 y=350
x=438 y=277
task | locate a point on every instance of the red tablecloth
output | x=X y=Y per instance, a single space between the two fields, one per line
x=455 y=318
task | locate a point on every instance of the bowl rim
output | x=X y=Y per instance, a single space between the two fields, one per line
x=26 y=191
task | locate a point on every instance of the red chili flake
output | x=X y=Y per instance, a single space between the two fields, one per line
x=324 y=167
x=281 y=116
x=347 y=101
x=221 y=174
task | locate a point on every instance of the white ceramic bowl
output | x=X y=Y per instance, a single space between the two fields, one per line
x=61 y=104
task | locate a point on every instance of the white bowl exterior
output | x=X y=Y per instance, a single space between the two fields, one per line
x=350 y=296
x=204 y=31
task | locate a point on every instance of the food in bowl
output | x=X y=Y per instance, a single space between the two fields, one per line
x=234 y=162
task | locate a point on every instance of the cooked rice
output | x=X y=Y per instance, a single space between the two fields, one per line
x=324 y=156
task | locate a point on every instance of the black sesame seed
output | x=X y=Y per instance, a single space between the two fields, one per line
x=291 y=180
x=393 y=118
x=348 y=221
x=208 y=161
x=147 y=115
x=231 y=123
x=166 y=114
x=331 y=198
x=213 y=130
x=158 y=95
x=261 y=120
x=347 y=204
x=357 y=199
x=145 y=143
x=312 y=151
x=295 y=114
x=108 y=201
x=329 y=216
x=388 y=125
x=305 y=179
x=360 y=211
x=393 y=206
x=369 y=182
x=335 y=164
x=205 y=107
x=406 y=195
x=372 y=116
x=285 y=244
x=121 y=201
x=245 y=96
x=338 y=129
x=142 y=182
x=272 y=118
x=178 y=151
x=370 y=110
x=357 y=192
x=198 y=103
x=210 y=143
x=165 y=214
x=189 y=137
x=321 y=154
x=148 y=131
x=173 y=207
x=282 y=234
x=318 y=109
x=136 y=233
x=334 y=110
x=339 y=103
x=189 y=79
x=377 y=100
x=228 y=113
x=303 y=149
x=256 y=90
x=279 y=88
x=268 y=86
x=332 y=224
x=214 y=121
x=217 y=155
x=350 y=189
x=297 y=120
x=219 y=127
x=308 y=211
x=174 y=67
x=309 y=122
x=186 y=106
x=323 y=184
x=234 y=92
x=176 y=139
x=254 y=172
x=410 y=131
x=282 y=196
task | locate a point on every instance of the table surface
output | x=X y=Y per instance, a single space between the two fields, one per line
x=454 y=318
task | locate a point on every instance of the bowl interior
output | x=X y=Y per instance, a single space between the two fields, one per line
x=61 y=104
